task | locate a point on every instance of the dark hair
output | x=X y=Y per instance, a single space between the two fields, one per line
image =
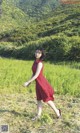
x=43 y=54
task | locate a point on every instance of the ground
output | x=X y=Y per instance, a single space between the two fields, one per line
x=17 y=111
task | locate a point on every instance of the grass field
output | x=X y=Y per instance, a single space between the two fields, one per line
x=17 y=110
x=64 y=77
x=18 y=104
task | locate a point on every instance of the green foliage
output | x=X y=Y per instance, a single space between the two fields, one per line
x=37 y=8
x=57 y=32
x=46 y=119
x=14 y=17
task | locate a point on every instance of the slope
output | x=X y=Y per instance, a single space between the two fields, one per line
x=57 y=32
x=12 y=17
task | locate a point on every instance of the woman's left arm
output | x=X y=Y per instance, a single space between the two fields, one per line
x=39 y=67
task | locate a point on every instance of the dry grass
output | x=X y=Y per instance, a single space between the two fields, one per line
x=16 y=110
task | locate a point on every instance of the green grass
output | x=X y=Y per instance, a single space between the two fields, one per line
x=64 y=77
x=18 y=104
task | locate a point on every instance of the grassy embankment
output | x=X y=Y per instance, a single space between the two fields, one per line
x=64 y=77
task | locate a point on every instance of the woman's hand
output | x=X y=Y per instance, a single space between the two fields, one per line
x=26 y=84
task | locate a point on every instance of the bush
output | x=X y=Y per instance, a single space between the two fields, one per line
x=57 y=48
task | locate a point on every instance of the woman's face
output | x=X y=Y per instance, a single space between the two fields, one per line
x=38 y=54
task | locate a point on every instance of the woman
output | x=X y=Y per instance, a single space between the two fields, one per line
x=44 y=91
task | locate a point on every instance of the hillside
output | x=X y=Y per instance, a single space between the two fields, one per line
x=34 y=8
x=38 y=8
x=14 y=17
x=57 y=32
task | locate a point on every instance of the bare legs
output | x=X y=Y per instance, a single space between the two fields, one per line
x=39 y=110
x=52 y=105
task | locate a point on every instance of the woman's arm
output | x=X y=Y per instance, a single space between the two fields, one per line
x=39 y=67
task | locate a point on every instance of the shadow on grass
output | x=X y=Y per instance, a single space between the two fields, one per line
x=13 y=112
x=24 y=113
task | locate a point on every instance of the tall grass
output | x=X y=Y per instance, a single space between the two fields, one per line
x=64 y=77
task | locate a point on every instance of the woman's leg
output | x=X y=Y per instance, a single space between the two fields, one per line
x=52 y=105
x=39 y=108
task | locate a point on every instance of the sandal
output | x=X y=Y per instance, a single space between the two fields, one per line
x=59 y=113
x=36 y=118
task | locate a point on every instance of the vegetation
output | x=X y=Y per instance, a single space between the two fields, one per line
x=63 y=77
x=24 y=26
x=17 y=110
x=18 y=104
x=37 y=8
x=57 y=32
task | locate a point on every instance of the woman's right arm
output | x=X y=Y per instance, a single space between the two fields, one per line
x=39 y=67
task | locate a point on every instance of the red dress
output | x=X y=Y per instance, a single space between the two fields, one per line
x=44 y=91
